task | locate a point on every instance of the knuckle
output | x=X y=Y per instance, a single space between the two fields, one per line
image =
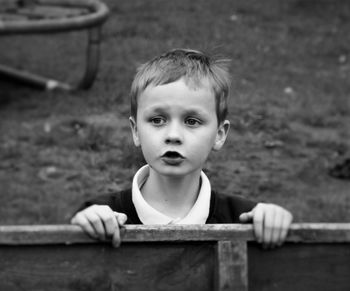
x=109 y=218
x=104 y=207
x=97 y=207
x=93 y=207
x=95 y=220
x=258 y=220
x=85 y=225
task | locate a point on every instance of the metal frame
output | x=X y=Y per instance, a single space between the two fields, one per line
x=92 y=21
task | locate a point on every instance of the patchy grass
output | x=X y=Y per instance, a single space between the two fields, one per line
x=289 y=108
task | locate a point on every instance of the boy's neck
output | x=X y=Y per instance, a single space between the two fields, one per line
x=172 y=196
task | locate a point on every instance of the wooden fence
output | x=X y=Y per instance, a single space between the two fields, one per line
x=207 y=257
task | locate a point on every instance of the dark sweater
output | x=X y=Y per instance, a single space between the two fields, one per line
x=223 y=208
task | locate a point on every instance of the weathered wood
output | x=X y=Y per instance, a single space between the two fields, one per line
x=68 y=234
x=319 y=232
x=174 y=258
x=232 y=266
x=133 y=267
x=301 y=267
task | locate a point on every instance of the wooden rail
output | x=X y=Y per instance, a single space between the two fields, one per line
x=207 y=257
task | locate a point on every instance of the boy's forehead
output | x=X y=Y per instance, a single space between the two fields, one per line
x=192 y=84
x=178 y=92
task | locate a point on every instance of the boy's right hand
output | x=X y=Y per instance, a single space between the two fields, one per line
x=100 y=221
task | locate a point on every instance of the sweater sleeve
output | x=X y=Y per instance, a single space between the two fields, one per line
x=110 y=199
x=228 y=208
x=117 y=201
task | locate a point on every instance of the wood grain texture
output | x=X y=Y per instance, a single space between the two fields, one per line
x=174 y=258
x=152 y=266
x=232 y=266
x=301 y=267
x=193 y=257
x=68 y=234
x=175 y=266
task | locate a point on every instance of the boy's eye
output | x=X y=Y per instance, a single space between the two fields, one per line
x=157 y=120
x=192 y=122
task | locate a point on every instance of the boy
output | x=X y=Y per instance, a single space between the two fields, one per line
x=178 y=116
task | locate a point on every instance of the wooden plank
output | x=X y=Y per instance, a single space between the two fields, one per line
x=231 y=268
x=302 y=267
x=319 y=232
x=133 y=267
x=67 y=234
x=174 y=266
x=174 y=258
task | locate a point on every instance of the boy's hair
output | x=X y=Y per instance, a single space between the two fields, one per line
x=193 y=66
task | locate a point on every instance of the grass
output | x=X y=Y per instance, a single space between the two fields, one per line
x=289 y=108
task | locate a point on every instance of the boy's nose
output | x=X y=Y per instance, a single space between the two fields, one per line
x=174 y=134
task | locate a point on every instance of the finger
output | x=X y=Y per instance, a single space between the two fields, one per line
x=109 y=220
x=110 y=224
x=258 y=223
x=81 y=220
x=246 y=217
x=116 y=241
x=97 y=224
x=287 y=220
x=121 y=217
x=269 y=219
x=74 y=219
x=277 y=229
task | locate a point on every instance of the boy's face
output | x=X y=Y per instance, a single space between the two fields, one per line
x=177 y=127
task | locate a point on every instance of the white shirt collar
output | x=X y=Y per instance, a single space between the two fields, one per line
x=148 y=215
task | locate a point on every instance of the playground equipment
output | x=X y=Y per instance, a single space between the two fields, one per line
x=54 y=16
x=192 y=257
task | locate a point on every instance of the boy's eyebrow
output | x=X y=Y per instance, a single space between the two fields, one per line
x=194 y=112
x=189 y=111
x=157 y=108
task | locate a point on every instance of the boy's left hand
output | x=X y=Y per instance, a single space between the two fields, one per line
x=270 y=223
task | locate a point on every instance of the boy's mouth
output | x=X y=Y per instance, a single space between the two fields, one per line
x=172 y=157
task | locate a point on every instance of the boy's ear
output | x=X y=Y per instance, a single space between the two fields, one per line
x=135 y=135
x=221 y=135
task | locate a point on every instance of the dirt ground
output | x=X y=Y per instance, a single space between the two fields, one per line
x=290 y=106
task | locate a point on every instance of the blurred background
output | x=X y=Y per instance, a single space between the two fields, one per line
x=289 y=106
